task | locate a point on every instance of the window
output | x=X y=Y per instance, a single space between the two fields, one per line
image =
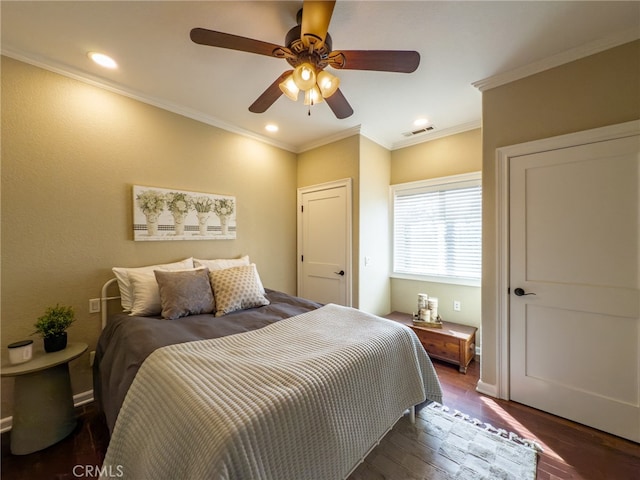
x=437 y=229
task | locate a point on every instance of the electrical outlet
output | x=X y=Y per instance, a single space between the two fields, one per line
x=94 y=305
x=456 y=305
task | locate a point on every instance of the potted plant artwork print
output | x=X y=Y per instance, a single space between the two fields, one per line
x=151 y=203
x=223 y=208
x=168 y=214
x=179 y=204
x=203 y=206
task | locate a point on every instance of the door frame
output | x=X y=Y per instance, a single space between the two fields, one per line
x=345 y=182
x=503 y=157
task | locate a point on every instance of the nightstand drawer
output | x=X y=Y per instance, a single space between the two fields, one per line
x=439 y=346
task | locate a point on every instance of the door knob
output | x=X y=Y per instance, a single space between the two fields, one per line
x=520 y=292
x=341 y=273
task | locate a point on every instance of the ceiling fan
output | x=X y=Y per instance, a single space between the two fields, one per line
x=309 y=51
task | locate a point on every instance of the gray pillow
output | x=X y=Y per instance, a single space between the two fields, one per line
x=185 y=293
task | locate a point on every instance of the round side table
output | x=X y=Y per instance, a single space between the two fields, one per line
x=43 y=411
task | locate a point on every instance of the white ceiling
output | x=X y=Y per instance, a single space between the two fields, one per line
x=459 y=43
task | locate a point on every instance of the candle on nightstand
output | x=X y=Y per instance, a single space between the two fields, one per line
x=20 y=352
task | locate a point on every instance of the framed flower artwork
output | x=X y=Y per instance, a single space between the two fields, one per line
x=169 y=214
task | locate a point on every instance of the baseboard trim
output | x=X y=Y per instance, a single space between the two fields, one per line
x=487 y=388
x=79 y=400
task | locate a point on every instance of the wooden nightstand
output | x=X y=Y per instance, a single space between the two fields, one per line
x=452 y=343
x=43 y=411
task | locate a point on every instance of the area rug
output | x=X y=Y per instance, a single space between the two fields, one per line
x=444 y=444
x=478 y=449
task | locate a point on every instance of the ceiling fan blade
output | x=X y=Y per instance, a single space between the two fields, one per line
x=339 y=105
x=270 y=95
x=316 y=16
x=403 y=61
x=212 y=38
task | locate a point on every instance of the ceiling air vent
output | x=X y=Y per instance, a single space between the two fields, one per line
x=426 y=129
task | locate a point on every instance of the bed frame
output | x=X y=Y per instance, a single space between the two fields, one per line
x=104 y=300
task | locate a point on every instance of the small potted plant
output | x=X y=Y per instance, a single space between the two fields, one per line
x=52 y=326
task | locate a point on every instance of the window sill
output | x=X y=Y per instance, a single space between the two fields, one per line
x=467 y=282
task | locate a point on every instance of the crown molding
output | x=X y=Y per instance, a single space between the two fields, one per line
x=70 y=72
x=349 y=132
x=561 y=58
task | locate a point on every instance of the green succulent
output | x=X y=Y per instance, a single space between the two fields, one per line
x=55 y=321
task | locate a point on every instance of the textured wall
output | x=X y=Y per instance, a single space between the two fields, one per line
x=70 y=155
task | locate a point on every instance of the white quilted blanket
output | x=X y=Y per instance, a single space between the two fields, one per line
x=304 y=398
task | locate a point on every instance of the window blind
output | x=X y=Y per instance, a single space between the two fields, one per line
x=438 y=230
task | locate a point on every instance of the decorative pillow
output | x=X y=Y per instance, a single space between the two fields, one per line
x=146 y=295
x=237 y=288
x=126 y=290
x=224 y=263
x=185 y=293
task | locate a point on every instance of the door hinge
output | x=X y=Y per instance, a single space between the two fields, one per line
x=302 y=208
x=302 y=258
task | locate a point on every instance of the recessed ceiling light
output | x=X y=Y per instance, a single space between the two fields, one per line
x=103 y=60
x=271 y=127
x=420 y=122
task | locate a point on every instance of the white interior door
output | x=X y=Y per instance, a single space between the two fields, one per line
x=574 y=243
x=324 y=243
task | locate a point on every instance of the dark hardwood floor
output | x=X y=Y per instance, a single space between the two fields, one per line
x=571 y=451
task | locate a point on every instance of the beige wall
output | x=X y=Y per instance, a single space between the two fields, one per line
x=70 y=155
x=336 y=161
x=404 y=298
x=595 y=91
x=375 y=170
x=452 y=155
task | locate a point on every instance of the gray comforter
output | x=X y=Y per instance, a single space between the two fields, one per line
x=304 y=398
x=127 y=341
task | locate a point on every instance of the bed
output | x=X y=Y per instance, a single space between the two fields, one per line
x=285 y=389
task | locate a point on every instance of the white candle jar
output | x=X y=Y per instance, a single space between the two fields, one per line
x=20 y=352
x=433 y=308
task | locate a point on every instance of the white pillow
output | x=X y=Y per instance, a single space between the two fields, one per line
x=222 y=263
x=146 y=292
x=122 y=275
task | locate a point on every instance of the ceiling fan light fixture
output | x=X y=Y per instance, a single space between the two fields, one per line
x=304 y=76
x=313 y=96
x=327 y=83
x=289 y=88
